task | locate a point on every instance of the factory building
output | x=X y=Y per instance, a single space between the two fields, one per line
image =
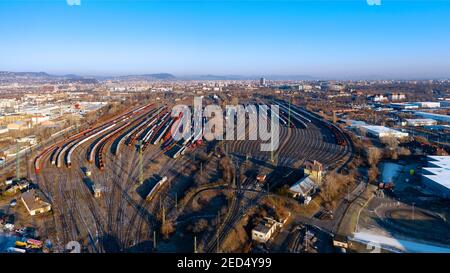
x=404 y=106
x=420 y=122
x=438 y=117
x=436 y=175
x=382 y=131
x=428 y=104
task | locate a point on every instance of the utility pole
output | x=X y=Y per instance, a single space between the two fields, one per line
x=154 y=239
x=195 y=244
x=141 y=167
x=289 y=114
x=17 y=160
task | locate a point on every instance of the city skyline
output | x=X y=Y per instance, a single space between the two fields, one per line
x=323 y=40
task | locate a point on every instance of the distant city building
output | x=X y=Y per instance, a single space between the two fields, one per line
x=378 y=98
x=396 y=96
x=436 y=175
x=18 y=125
x=262 y=82
x=336 y=87
x=39 y=119
x=4 y=129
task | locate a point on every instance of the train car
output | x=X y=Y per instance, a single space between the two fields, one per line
x=180 y=152
x=157 y=186
x=15 y=250
x=72 y=149
x=161 y=132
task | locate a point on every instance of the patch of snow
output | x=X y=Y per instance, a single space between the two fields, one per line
x=401 y=245
x=389 y=171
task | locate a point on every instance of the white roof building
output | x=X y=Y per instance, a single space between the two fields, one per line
x=303 y=187
x=382 y=131
x=437 y=175
x=421 y=122
x=438 y=117
x=428 y=104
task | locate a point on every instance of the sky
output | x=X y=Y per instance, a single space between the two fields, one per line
x=328 y=39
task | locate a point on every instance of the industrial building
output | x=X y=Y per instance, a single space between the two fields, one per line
x=303 y=187
x=428 y=104
x=420 y=122
x=382 y=131
x=35 y=202
x=404 y=106
x=438 y=117
x=266 y=228
x=436 y=176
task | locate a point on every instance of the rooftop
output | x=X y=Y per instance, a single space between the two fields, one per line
x=420 y=120
x=34 y=200
x=303 y=186
x=381 y=129
x=440 y=171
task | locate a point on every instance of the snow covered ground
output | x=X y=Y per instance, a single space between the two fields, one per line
x=390 y=171
x=398 y=245
x=6 y=241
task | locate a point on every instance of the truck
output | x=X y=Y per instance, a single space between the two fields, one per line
x=386 y=186
x=21 y=244
x=35 y=243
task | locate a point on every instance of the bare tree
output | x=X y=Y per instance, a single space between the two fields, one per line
x=373 y=156
x=373 y=173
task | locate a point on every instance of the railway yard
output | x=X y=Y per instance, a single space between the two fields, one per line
x=113 y=185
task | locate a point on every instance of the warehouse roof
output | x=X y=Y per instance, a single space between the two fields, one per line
x=34 y=200
x=440 y=172
x=303 y=186
x=420 y=120
x=382 y=130
x=445 y=118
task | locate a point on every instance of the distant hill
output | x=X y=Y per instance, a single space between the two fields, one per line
x=23 y=74
x=40 y=77
x=147 y=77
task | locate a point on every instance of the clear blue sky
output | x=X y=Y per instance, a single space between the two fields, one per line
x=319 y=38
